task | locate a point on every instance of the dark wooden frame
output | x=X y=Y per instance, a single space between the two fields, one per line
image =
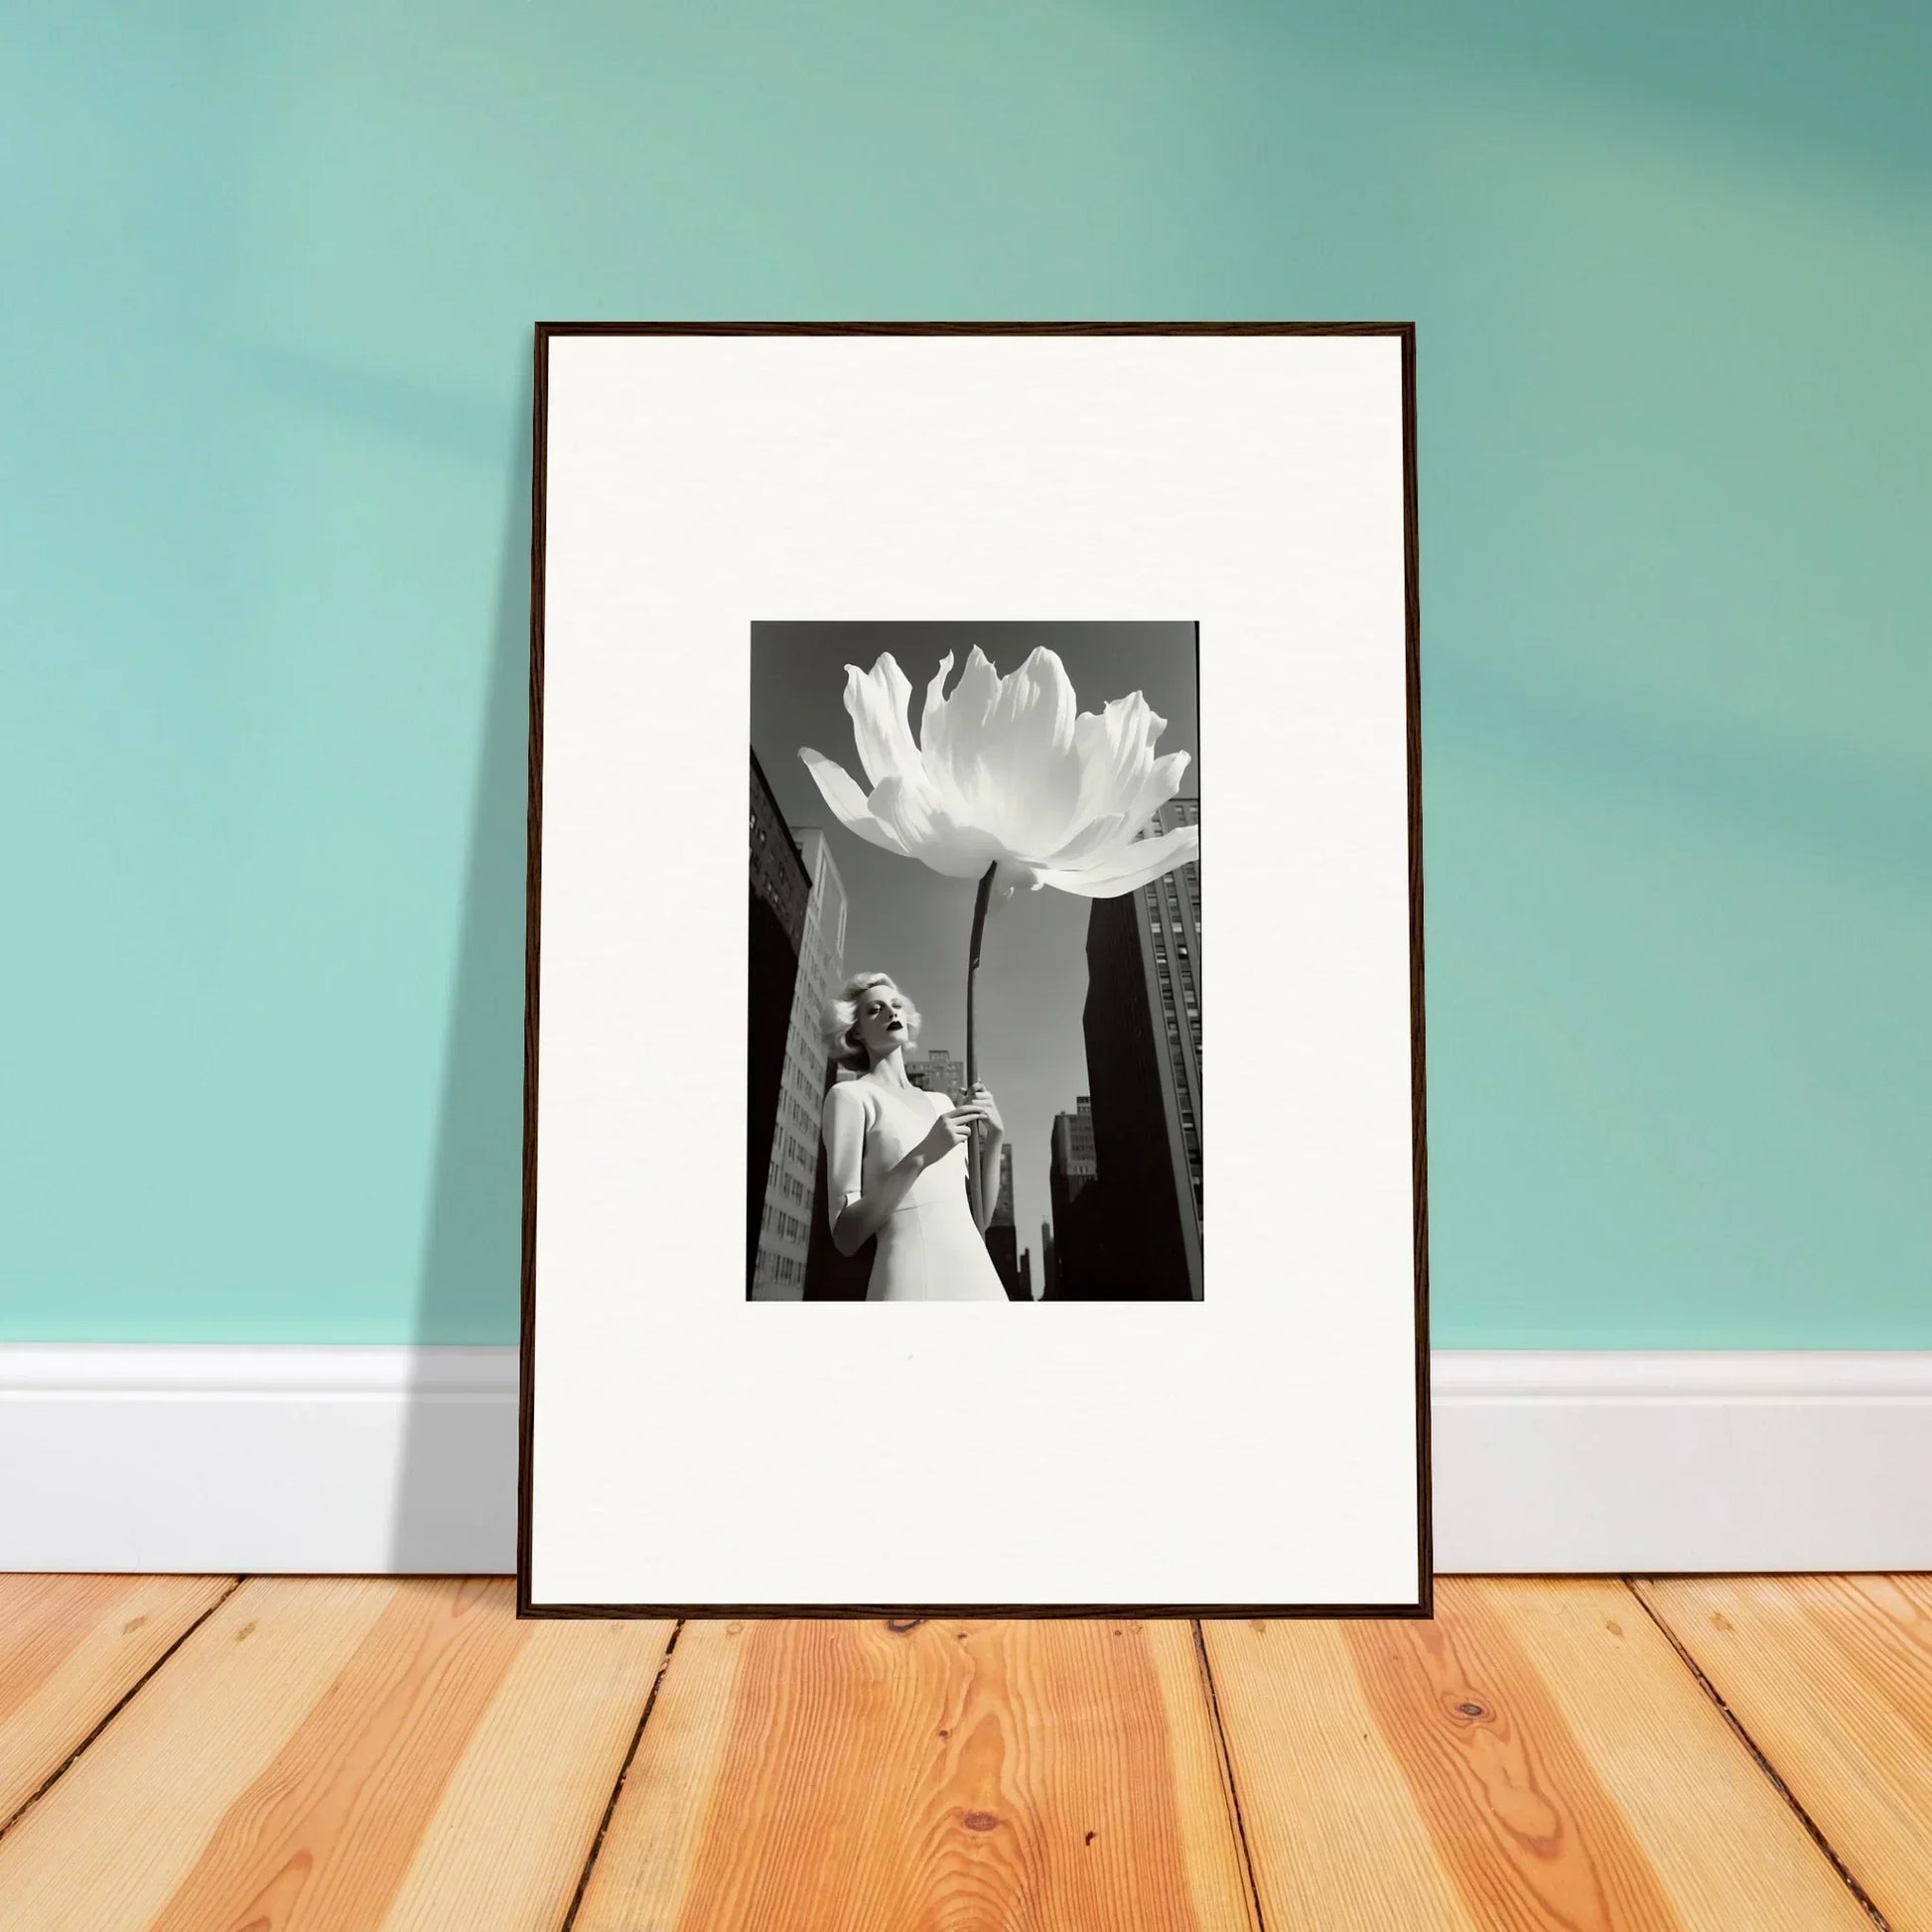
x=1423 y=1608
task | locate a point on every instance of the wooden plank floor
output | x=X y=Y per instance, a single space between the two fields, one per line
x=1831 y=1678
x=278 y=1755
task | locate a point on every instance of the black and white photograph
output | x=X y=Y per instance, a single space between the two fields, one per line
x=974 y=968
x=1007 y=628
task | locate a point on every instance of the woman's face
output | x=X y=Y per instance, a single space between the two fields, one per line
x=881 y=1024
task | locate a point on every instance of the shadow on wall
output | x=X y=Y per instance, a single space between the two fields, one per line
x=457 y=1490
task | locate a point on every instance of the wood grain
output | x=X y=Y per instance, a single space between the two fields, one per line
x=1537 y=1758
x=924 y=1775
x=365 y=1756
x=342 y=1755
x=1831 y=1677
x=519 y=1814
x=70 y=1648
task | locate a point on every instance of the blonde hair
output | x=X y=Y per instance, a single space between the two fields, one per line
x=842 y=1041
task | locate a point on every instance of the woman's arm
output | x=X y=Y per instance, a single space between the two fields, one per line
x=854 y=1214
x=992 y=1137
x=991 y=1142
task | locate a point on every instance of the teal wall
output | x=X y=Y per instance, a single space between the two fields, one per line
x=269 y=275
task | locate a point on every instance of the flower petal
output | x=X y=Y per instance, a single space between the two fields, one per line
x=1114 y=746
x=928 y=832
x=949 y=731
x=1029 y=771
x=1121 y=828
x=1007 y=877
x=932 y=717
x=1131 y=866
x=847 y=802
x=879 y=701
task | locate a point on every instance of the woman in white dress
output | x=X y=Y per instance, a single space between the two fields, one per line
x=895 y=1158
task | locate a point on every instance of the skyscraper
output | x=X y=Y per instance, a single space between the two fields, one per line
x=1144 y=1058
x=784 y=1236
x=1003 y=1236
x=779 y=879
x=1079 y=1272
x=936 y=1070
x=780 y=896
x=1073 y=1133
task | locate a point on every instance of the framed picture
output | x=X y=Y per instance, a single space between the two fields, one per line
x=1030 y=641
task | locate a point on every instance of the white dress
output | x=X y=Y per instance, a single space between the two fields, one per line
x=929 y=1249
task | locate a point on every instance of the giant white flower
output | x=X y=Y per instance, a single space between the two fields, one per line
x=1006 y=773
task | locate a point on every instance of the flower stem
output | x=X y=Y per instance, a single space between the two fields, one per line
x=972 y=1043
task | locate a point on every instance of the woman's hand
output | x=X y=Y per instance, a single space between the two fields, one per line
x=950 y=1130
x=981 y=1096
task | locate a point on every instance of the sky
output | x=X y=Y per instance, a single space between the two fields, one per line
x=912 y=922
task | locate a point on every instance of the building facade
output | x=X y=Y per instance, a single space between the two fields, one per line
x=1143 y=1021
x=1079 y=1272
x=782 y=889
x=1003 y=1235
x=936 y=1070
x=779 y=879
x=791 y=1175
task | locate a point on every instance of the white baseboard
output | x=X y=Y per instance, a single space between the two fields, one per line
x=1703 y=1460
x=264 y=1461
x=378 y=1461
